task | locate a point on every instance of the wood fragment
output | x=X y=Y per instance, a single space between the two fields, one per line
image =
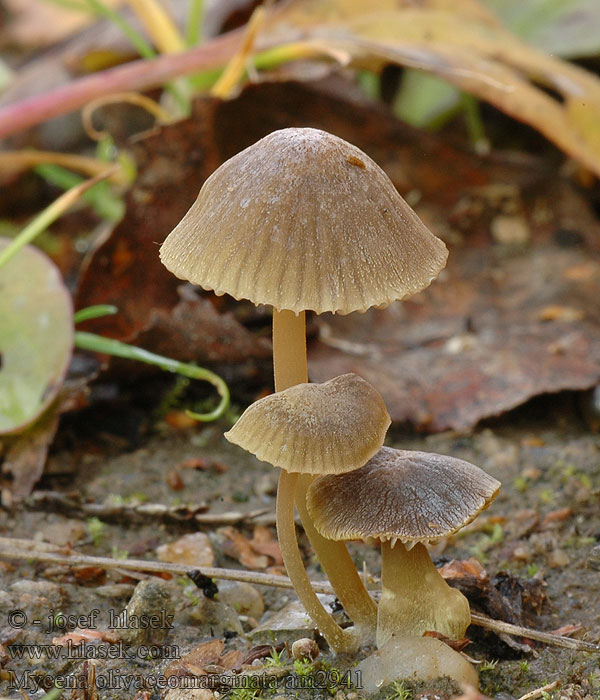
x=538 y=692
x=74 y=505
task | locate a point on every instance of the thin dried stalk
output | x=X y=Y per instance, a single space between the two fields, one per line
x=12 y=548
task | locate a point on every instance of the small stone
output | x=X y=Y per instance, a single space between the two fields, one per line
x=305 y=649
x=558 y=559
x=592 y=560
x=190 y=694
x=510 y=230
x=63 y=532
x=220 y=617
x=522 y=553
x=244 y=598
x=115 y=590
x=417 y=658
x=193 y=549
x=289 y=623
x=148 y=617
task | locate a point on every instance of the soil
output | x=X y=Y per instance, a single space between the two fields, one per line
x=545 y=526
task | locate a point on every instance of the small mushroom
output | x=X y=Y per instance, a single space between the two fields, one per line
x=303 y=220
x=327 y=428
x=405 y=499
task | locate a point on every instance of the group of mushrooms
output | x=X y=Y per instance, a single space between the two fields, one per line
x=302 y=220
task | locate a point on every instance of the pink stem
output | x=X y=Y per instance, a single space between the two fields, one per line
x=137 y=75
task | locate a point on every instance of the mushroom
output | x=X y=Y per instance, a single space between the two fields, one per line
x=406 y=499
x=303 y=220
x=318 y=429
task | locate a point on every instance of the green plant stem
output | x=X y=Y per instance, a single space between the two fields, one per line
x=49 y=215
x=195 y=20
x=137 y=40
x=110 y=346
x=95 y=311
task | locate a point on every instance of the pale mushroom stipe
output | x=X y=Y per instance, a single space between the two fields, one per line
x=303 y=220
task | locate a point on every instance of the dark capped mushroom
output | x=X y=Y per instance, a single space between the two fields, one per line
x=405 y=499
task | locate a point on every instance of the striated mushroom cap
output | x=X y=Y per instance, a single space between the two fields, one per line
x=304 y=220
x=326 y=428
x=401 y=495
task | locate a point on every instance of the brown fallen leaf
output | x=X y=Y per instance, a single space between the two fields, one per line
x=238 y=547
x=411 y=355
x=264 y=542
x=195 y=662
x=80 y=635
x=555 y=516
x=456 y=644
x=457 y=568
x=466 y=48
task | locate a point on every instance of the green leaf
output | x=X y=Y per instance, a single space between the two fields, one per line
x=567 y=28
x=36 y=336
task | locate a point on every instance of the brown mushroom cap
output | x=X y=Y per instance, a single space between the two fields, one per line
x=410 y=496
x=304 y=220
x=324 y=428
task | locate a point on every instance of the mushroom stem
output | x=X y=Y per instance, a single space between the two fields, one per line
x=289 y=349
x=339 y=567
x=337 y=638
x=290 y=368
x=415 y=597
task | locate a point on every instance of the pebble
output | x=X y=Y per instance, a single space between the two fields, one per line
x=244 y=598
x=592 y=560
x=558 y=559
x=220 y=617
x=193 y=549
x=115 y=590
x=305 y=649
x=417 y=658
x=190 y=694
x=289 y=623
x=510 y=230
x=63 y=532
x=149 y=614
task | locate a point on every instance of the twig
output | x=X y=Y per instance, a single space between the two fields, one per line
x=27 y=549
x=545 y=637
x=11 y=548
x=538 y=692
x=73 y=505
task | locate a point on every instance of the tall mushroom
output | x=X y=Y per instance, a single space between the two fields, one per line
x=319 y=429
x=405 y=499
x=303 y=220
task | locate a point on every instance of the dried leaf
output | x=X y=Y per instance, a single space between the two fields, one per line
x=570 y=28
x=79 y=635
x=264 y=542
x=467 y=49
x=474 y=344
x=194 y=663
x=238 y=547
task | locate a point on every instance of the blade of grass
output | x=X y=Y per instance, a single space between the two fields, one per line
x=14 y=162
x=95 y=311
x=49 y=215
x=160 y=27
x=195 y=23
x=107 y=205
x=110 y=346
x=137 y=40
